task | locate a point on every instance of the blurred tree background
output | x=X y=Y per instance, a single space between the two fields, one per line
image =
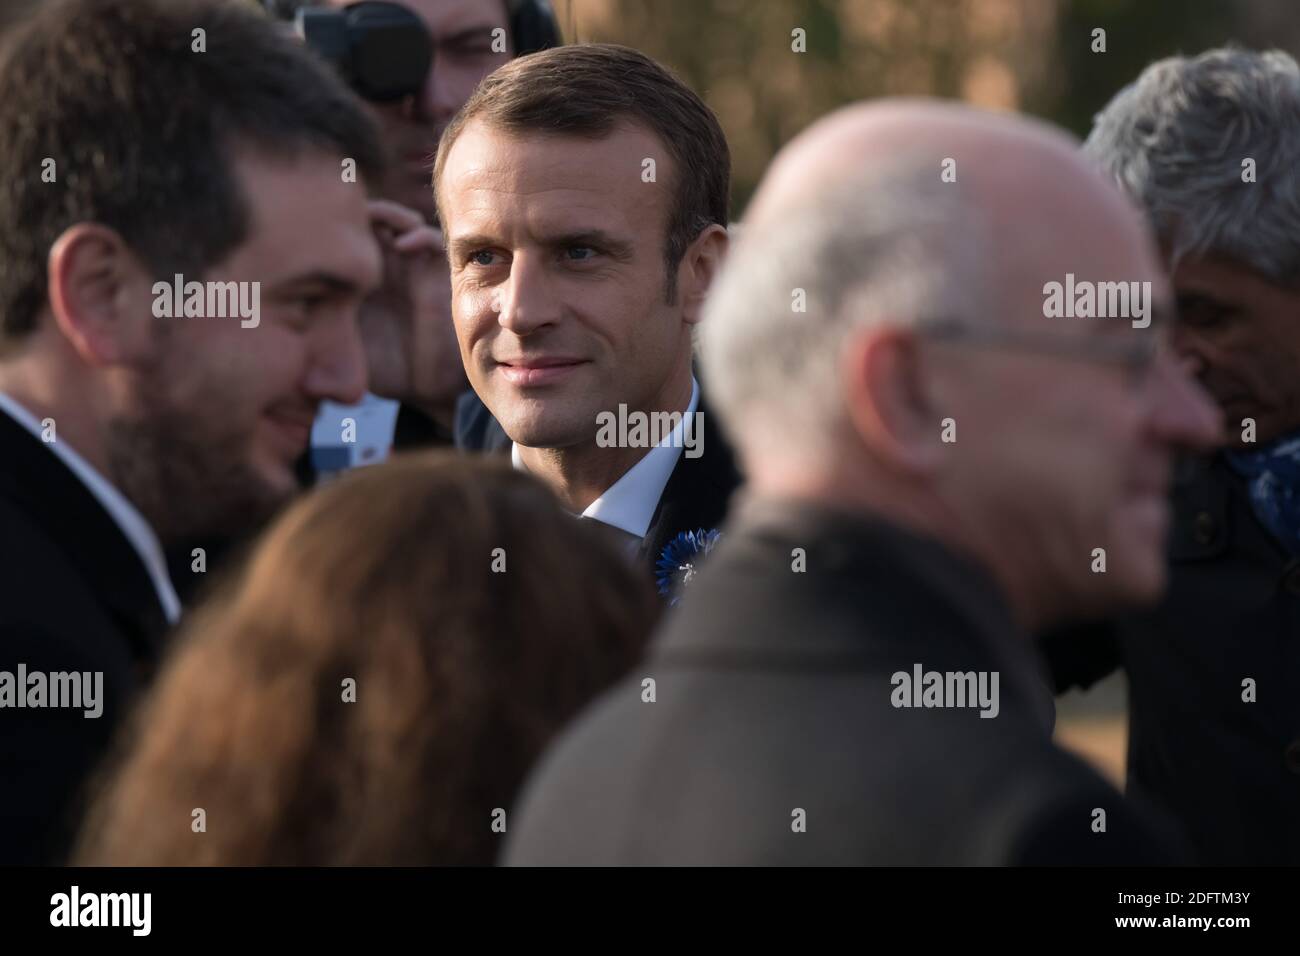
x=1030 y=55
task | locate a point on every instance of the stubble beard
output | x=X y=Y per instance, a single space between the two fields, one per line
x=188 y=475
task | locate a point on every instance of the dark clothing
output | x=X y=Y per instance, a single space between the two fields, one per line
x=476 y=429
x=194 y=578
x=74 y=597
x=415 y=430
x=1227 y=770
x=775 y=704
x=697 y=494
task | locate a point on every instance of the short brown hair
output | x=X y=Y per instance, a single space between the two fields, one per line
x=466 y=662
x=585 y=91
x=142 y=128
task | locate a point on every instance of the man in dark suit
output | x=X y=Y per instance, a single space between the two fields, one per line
x=1214 y=671
x=850 y=679
x=579 y=264
x=129 y=420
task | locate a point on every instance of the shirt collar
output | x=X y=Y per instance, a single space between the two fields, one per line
x=629 y=504
x=134 y=527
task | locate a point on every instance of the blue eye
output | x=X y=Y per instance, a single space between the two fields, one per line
x=575 y=253
x=477 y=258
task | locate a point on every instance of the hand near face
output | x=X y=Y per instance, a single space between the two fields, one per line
x=406 y=325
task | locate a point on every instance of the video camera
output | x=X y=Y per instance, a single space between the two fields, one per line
x=384 y=50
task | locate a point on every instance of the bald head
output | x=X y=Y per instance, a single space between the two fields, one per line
x=855 y=140
x=1021 y=178
x=979 y=209
x=880 y=225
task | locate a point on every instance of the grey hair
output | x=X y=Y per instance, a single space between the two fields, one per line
x=1176 y=138
x=893 y=246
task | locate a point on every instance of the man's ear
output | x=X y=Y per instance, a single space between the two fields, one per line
x=698 y=269
x=91 y=271
x=888 y=399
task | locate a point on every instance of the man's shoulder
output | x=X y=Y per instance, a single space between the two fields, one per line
x=43 y=590
x=32 y=560
x=52 y=623
x=1227 y=575
x=755 y=765
x=66 y=568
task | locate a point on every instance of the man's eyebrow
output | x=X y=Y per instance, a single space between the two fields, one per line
x=333 y=283
x=457 y=245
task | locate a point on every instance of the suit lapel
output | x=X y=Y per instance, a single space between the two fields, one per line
x=697 y=492
x=63 y=508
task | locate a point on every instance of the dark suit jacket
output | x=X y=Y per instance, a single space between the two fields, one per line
x=774 y=695
x=74 y=596
x=1227 y=770
x=695 y=497
x=475 y=429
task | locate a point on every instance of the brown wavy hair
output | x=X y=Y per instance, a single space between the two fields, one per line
x=463 y=674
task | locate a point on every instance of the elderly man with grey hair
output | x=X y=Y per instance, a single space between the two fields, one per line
x=1209 y=147
x=937 y=463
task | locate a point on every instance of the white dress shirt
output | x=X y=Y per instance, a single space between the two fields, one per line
x=127 y=518
x=629 y=504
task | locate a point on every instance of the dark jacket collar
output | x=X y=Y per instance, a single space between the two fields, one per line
x=40 y=485
x=475 y=428
x=697 y=493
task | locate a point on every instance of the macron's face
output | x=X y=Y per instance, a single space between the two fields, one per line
x=556 y=247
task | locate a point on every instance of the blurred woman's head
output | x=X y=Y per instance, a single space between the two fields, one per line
x=378 y=679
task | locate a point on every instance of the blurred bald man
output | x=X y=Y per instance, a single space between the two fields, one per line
x=938 y=467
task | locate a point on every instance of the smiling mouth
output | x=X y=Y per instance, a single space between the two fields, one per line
x=538 y=372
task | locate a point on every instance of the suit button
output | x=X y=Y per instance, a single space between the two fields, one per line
x=1292 y=757
x=1204 y=528
x=1291 y=577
